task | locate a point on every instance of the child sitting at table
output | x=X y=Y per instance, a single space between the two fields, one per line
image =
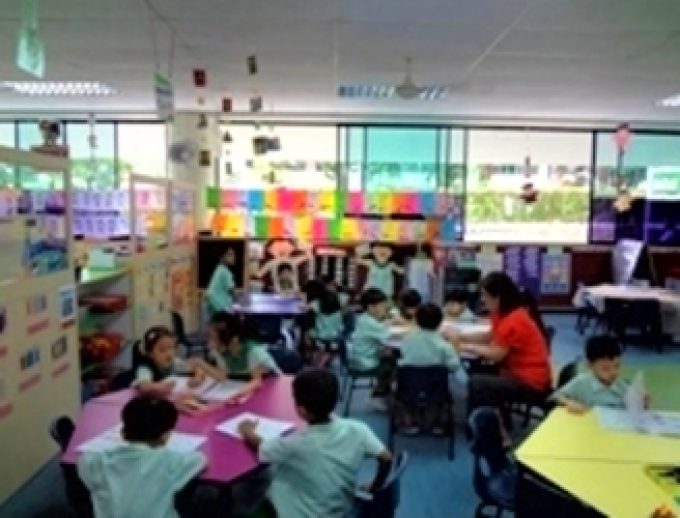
x=158 y=363
x=329 y=324
x=601 y=385
x=315 y=468
x=140 y=478
x=405 y=312
x=285 y=282
x=425 y=347
x=369 y=339
x=456 y=307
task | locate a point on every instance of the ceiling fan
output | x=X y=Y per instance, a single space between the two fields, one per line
x=407 y=89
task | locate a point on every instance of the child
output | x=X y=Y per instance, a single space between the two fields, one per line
x=601 y=385
x=237 y=355
x=285 y=282
x=456 y=308
x=329 y=326
x=424 y=346
x=220 y=293
x=158 y=362
x=405 y=312
x=141 y=477
x=315 y=468
x=381 y=269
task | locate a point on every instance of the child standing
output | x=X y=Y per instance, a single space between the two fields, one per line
x=285 y=282
x=220 y=293
x=456 y=308
x=601 y=385
x=140 y=478
x=381 y=269
x=315 y=468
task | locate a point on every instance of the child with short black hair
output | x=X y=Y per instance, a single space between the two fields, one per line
x=285 y=282
x=601 y=385
x=315 y=468
x=424 y=345
x=140 y=478
x=456 y=307
x=407 y=305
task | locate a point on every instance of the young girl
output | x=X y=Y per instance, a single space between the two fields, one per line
x=158 y=362
x=235 y=355
x=220 y=293
x=381 y=269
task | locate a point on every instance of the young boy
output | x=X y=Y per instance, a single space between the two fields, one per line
x=371 y=333
x=601 y=385
x=315 y=468
x=456 y=308
x=405 y=312
x=139 y=479
x=425 y=346
x=285 y=282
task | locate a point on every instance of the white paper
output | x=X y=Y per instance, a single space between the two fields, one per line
x=181 y=385
x=223 y=391
x=267 y=428
x=654 y=423
x=111 y=438
x=635 y=398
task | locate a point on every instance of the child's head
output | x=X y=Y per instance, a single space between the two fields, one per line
x=221 y=321
x=409 y=300
x=329 y=303
x=285 y=271
x=455 y=303
x=374 y=302
x=328 y=282
x=159 y=347
x=316 y=393
x=429 y=317
x=604 y=356
x=382 y=252
x=148 y=420
x=229 y=257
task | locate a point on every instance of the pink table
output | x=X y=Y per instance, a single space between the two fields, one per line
x=228 y=458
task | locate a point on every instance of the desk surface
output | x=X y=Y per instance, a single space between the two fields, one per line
x=269 y=304
x=571 y=437
x=600 y=485
x=632 y=292
x=228 y=458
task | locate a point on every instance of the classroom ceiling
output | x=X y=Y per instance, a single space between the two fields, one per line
x=592 y=59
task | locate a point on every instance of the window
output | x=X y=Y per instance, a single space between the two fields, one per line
x=29 y=135
x=6 y=139
x=100 y=174
x=298 y=157
x=637 y=194
x=142 y=149
x=528 y=186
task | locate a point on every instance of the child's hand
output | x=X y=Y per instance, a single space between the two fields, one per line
x=165 y=387
x=247 y=427
x=196 y=380
x=451 y=335
x=575 y=408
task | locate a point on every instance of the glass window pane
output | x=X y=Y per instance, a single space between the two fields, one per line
x=86 y=173
x=142 y=149
x=528 y=186
x=7 y=134
x=637 y=193
x=29 y=135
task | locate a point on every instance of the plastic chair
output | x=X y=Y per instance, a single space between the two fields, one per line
x=352 y=379
x=77 y=494
x=384 y=502
x=288 y=360
x=644 y=315
x=190 y=343
x=494 y=476
x=424 y=387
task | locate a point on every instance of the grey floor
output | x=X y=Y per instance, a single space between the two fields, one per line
x=433 y=486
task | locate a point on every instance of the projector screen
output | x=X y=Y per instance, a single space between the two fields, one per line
x=529 y=187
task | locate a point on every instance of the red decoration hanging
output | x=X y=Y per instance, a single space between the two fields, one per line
x=622 y=137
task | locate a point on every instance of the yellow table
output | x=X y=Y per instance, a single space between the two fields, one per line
x=603 y=468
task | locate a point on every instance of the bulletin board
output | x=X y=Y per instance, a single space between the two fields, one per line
x=39 y=371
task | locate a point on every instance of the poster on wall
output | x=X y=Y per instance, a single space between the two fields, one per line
x=555 y=274
x=67 y=305
x=29 y=368
x=522 y=264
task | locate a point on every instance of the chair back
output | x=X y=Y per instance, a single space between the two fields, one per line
x=61 y=430
x=288 y=360
x=487 y=449
x=385 y=500
x=427 y=385
x=567 y=373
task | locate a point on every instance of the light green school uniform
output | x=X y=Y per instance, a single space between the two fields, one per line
x=369 y=336
x=421 y=348
x=329 y=326
x=219 y=296
x=251 y=356
x=381 y=276
x=315 y=470
x=590 y=391
x=137 y=481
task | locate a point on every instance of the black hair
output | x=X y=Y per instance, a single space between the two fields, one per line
x=313 y=289
x=316 y=390
x=244 y=330
x=429 y=317
x=602 y=347
x=460 y=296
x=147 y=419
x=329 y=302
x=531 y=305
x=499 y=284
x=222 y=319
x=283 y=267
x=410 y=299
x=152 y=336
x=327 y=279
x=223 y=258
x=371 y=297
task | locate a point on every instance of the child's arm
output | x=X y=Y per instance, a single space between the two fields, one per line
x=145 y=385
x=247 y=429
x=219 y=373
x=398 y=269
x=364 y=261
x=492 y=352
x=384 y=467
x=573 y=407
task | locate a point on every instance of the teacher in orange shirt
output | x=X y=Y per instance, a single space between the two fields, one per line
x=516 y=344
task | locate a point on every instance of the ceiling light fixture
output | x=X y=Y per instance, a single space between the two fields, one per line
x=669 y=102
x=59 y=88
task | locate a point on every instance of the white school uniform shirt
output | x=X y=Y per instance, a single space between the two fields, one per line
x=314 y=471
x=137 y=481
x=421 y=348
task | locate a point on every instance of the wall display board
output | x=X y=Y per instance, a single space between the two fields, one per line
x=555 y=273
x=38 y=343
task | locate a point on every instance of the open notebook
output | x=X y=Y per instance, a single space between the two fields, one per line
x=209 y=390
x=634 y=418
x=267 y=428
x=111 y=438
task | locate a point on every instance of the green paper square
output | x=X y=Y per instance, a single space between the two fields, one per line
x=262 y=227
x=335 y=229
x=212 y=197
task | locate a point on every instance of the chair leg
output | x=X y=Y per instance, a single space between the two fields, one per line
x=348 y=403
